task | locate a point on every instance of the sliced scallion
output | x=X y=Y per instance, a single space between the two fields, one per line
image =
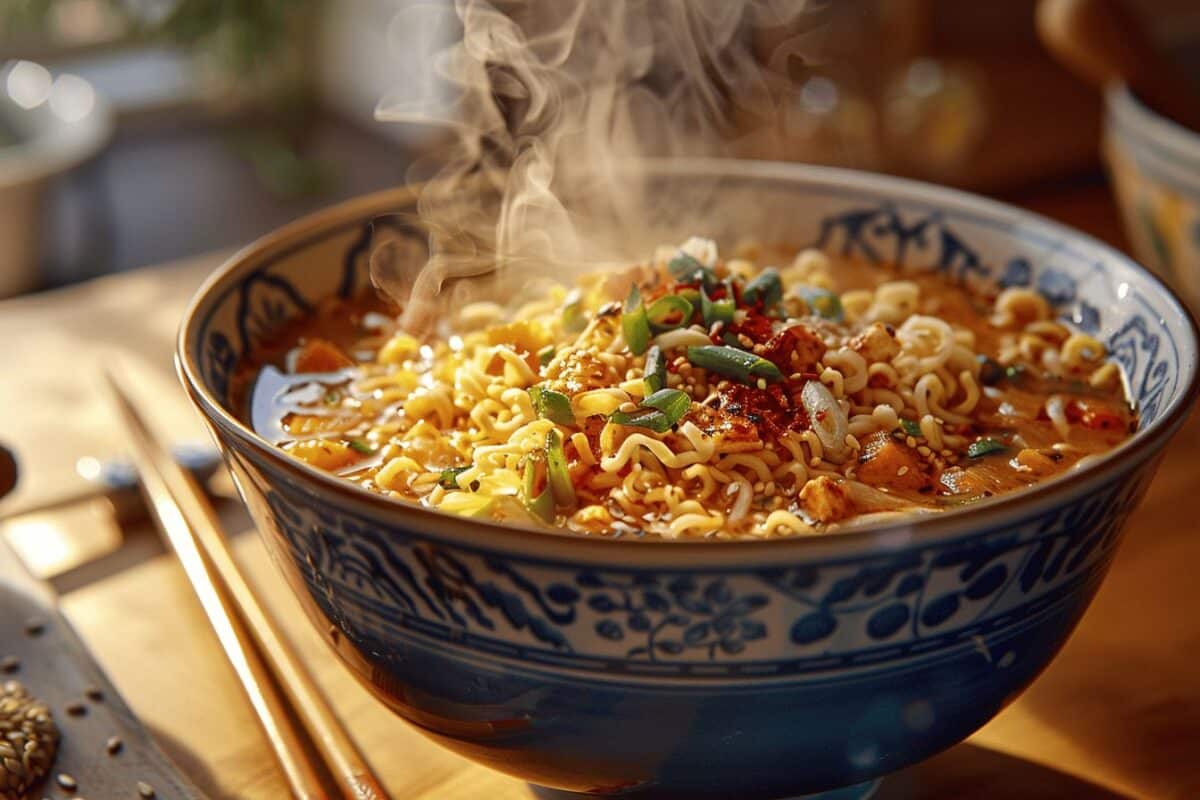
x=361 y=446
x=911 y=427
x=767 y=288
x=672 y=402
x=545 y=355
x=734 y=363
x=659 y=412
x=449 y=477
x=669 y=312
x=573 y=318
x=634 y=323
x=540 y=505
x=823 y=302
x=984 y=447
x=717 y=310
x=551 y=405
x=556 y=470
x=656 y=370
x=686 y=269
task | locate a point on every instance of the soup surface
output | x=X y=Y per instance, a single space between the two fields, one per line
x=696 y=396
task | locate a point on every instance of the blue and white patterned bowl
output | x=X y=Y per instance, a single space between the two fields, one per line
x=702 y=669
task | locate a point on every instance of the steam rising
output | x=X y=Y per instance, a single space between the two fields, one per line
x=550 y=104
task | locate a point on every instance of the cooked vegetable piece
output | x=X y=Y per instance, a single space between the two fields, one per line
x=551 y=405
x=911 y=427
x=449 y=478
x=716 y=310
x=361 y=446
x=822 y=302
x=539 y=503
x=573 y=318
x=669 y=312
x=766 y=288
x=985 y=446
x=734 y=363
x=546 y=355
x=634 y=323
x=827 y=420
x=672 y=402
x=659 y=412
x=656 y=370
x=556 y=471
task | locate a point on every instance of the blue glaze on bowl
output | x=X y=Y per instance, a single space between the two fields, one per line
x=665 y=669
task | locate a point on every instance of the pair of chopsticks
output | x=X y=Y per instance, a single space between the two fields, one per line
x=261 y=657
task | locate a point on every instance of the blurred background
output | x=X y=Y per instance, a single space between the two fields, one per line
x=135 y=132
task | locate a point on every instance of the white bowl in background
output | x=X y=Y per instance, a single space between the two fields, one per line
x=1154 y=166
x=49 y=124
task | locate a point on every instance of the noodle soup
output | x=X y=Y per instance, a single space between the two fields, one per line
x=696 y=396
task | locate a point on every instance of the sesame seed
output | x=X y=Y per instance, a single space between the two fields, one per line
x=113 y=745
x=35 y=627
x=900 y=473
x=10 y=664
x=94 y=693
x=761 y=383
x=76 y=709
x=145 y=790
x=67 y=782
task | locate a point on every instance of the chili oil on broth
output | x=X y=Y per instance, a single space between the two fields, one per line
x=695 y=396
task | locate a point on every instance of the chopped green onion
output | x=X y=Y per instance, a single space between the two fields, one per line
x=734 y=363
x=1014 y=373
x=822 y=302
x=449 y=478
x=686 y=269
x=683 y=265
x=656 y=370
x=573 y=318
x=634 y=323
x=556 y=470
x=911 y=427
x=766 y=287
x=545 y=355
x=984 y=447
x=332 y=397
x=672 y=402
x=659 y=412
x=664 y=309
x=691 y=295
x=717 y=310
x=551 y=405
x=361 y=446
x=542 y=505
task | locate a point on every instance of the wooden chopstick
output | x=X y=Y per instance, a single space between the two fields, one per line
x=190 y=524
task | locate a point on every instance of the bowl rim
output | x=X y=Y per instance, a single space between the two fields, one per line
x=1130 y=117
x=987 y=514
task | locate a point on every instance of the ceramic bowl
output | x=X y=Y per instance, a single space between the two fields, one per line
x=49 y=124
x=700 y=669
x=1154 y=166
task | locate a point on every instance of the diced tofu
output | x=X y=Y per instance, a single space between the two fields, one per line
x=320 y=355
x=876 y=343
x=826 y=500
x=886 y=462
x=795 y=349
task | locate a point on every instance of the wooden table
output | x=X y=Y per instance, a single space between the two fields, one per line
x=1116 y=715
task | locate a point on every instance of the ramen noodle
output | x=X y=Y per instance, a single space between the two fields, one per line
x=696 y=396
